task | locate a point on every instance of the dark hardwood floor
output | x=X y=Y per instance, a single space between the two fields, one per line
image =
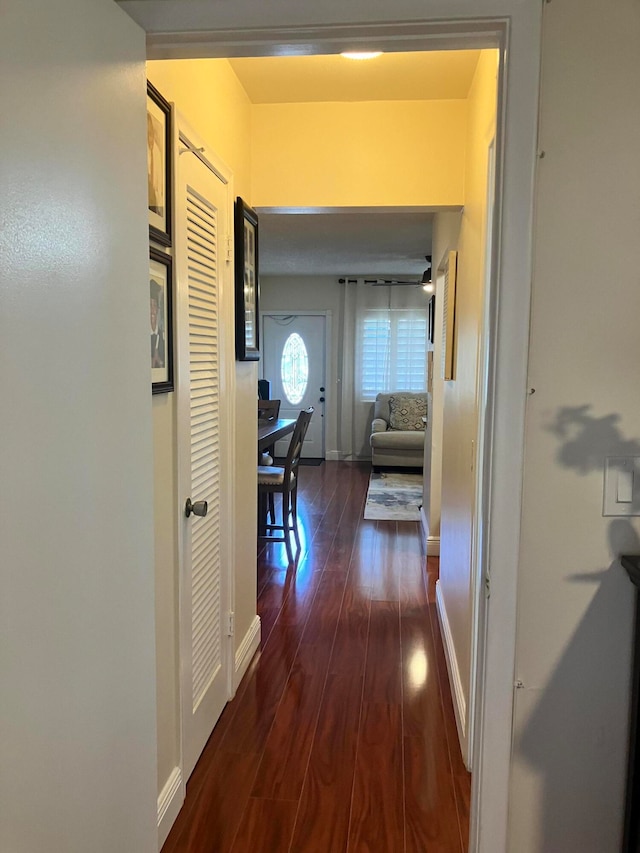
x=342 y=735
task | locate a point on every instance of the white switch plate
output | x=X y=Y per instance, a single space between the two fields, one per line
x=621 y=485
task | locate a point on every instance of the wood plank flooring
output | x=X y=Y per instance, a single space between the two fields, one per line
x=341 y=738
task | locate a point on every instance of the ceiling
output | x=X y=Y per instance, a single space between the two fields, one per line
x=382 y=244
x=411 y=76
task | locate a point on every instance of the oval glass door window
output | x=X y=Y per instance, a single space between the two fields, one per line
x=294 y=368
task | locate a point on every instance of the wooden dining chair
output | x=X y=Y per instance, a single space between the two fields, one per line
x=268 y=410
x=274 y=479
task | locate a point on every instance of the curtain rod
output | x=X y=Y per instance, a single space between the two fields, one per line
x=380 y=282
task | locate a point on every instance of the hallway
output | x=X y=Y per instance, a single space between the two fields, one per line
x=341 y=736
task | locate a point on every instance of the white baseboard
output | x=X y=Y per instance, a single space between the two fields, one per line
x=335 y=455
x=432 y=542
x=169 y=804
x=433 y=546
x=246 y=651
x=457 y=692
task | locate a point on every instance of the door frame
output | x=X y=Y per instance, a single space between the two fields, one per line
x=187 y=142
x=480 y=565
x=514 y=27
x=328 y=410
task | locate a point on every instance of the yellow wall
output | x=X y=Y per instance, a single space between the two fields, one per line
x=358 y=154
x=460 y=404
x=208 y=95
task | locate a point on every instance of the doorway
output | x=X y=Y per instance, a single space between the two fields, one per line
x=294 y=362
x=494 y=650
x=508 y=346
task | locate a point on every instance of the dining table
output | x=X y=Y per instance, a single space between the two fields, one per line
x=271 y=431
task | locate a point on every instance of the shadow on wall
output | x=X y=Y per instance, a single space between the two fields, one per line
x=575 y=733
x=587 y=440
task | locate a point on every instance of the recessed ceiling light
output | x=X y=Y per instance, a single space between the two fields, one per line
x=371 y=54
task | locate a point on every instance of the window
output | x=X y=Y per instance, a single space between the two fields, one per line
x=294 y=368
x=392 y=346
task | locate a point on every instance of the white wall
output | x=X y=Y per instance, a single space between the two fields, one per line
x=165 y=500
x=575 y=602
x=78 y=724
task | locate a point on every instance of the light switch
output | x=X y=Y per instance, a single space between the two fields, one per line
x=625 y=487
x=621 y=486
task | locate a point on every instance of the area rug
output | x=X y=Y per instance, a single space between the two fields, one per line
x=394 y=497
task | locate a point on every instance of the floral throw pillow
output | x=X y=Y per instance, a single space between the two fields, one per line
x=407 y=412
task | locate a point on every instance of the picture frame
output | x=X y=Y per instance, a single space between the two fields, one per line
x=161 y=317
x=432 y=319
x=449 y=317
x=247 y=282
x=159 y=166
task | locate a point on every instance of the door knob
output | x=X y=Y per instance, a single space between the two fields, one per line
x=322 y=390
x=197 y=508
x=322 y=399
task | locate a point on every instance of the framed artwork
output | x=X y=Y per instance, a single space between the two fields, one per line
x=159 y=166
x=246 y=282
x=432 y=318
x=449 y=317
x=161 y=315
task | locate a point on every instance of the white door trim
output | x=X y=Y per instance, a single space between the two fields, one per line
x=186 y=138
x=462 y=25
x=480 y=567
x=515 y=27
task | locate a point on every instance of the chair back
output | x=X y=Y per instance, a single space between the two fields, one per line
x=297 y=440
x=264 y=389
x=268 y=410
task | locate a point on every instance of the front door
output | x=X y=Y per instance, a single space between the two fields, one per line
x=203 y=279
x=294 y=363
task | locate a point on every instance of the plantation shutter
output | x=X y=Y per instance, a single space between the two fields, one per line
x=393 y=351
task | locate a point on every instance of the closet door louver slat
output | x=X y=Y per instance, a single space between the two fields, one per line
x=202 y=252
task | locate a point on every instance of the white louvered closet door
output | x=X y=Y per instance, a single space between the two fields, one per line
x=204 y=227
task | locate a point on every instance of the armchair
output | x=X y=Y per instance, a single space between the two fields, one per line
x=397 y=431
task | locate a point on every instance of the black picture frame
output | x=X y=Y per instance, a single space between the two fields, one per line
x=247 y=282
x=161 y=317
x=432 y=318
x=159 y=170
